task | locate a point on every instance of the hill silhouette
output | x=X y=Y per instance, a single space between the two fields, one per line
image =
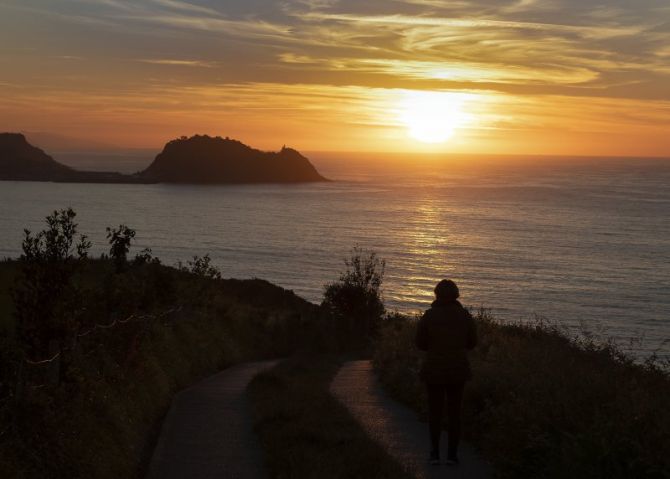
x=200 y=159
x=205 y=159
x=21 y=161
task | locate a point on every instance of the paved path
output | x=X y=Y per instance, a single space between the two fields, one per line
x=208 y=432
x=396 y=427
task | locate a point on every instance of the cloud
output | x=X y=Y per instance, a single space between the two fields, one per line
x=220 y=26
x=184 y=63
x=407 y=22
x=452 y=71
x=510 y=42
x=185 y=6
x=69 y=57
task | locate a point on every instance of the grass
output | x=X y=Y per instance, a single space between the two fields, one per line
x=306 y=433
x=101 y=420
x=545 y=405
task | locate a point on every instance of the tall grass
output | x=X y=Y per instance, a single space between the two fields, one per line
x=544 y=404
x=99 y=420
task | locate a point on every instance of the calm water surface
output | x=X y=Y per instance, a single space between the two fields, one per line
x=582 y=242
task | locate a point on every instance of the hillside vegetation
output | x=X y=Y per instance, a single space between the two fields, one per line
x=543 y=404
x=92 y=350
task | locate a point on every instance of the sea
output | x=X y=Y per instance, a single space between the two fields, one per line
x=580 y=242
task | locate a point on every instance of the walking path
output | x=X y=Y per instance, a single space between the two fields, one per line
x=208 y=432
x=396 y=427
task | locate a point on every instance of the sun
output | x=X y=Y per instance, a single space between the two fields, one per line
x=432 y=117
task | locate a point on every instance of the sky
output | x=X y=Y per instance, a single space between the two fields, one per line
x=557 y=77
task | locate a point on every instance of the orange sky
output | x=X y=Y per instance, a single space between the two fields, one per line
x=513 y=77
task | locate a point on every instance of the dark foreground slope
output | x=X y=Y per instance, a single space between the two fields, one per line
x=199 y=160
x=91 y=411
x=204 y=159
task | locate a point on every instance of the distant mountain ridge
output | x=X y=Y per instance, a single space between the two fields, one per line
x=200 y=159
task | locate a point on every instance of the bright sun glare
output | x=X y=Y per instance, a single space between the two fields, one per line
x=432 y=117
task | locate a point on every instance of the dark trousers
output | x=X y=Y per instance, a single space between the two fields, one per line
x=436 y=400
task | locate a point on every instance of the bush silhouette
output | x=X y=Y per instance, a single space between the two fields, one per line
x=46 y=297
x=201 y=266
x=119 y=241
x=354 y=300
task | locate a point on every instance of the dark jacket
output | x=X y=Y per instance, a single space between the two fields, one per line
x=446 y=332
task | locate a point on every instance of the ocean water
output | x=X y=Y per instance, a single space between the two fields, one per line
x=582 y=242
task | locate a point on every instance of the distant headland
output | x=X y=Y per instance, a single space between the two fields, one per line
x=200 y=159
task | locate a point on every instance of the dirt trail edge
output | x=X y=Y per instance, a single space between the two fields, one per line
x=208 y=432
x=396 y=427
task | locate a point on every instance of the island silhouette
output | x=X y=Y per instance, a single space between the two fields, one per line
x=200 y=159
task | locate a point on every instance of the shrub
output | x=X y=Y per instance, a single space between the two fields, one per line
x=145 y=257
x=354 y=301
x=46 y=298
x=205 y=278
x=202 y=266
x=119 y=241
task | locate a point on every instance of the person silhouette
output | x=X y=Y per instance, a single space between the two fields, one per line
x=446 y=332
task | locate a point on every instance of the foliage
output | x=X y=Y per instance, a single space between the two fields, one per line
x=45 y=298
x=139 y=287
x=204 y=278
x=305 y=441
x=119 y=240
x=545 y=404
x=202 y=266
x=145 y=257
x=355 y=300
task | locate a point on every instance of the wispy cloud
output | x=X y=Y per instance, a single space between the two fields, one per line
x=591 y=31
x=186 y=7
x=180 y=63
x=69 y=57
x=452 y=71
x=220 y=26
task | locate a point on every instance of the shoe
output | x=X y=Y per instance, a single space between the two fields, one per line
x=434 y=458
x=452 y=461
